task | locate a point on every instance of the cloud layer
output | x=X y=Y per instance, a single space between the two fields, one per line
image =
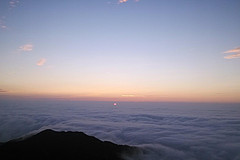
x=236 y=55
x=26 y=47
x=164 y=131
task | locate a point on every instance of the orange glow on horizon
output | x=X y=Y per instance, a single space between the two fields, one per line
x=129 y=97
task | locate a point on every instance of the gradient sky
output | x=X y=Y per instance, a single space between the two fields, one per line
x=130 y=50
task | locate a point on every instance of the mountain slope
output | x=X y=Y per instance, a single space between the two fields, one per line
x=50 y=144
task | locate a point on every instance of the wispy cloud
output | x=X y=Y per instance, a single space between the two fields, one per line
x=233 y=56
x=128 y=95
x=236 y=55
x=26 y=47
x=13 y=3
x=233 y=50
x=124 y=1
x=3 y=26
x=2 y=23
x=1 y=90
x=41 y=62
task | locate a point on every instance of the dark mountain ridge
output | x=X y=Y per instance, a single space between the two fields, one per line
x=50 y=144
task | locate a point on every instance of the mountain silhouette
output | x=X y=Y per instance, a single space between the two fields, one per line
x=50 y=144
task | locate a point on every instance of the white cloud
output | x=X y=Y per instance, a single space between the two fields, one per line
x=41 y=62
x=236 y=55
x=26 y=47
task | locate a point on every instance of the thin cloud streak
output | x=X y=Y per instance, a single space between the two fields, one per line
x=236 y=55
x=233 y=50
x=233 y=56
x=1 y=90
x=41 y=62
x=3 y=26
x=128 y=95
x=26 y=47
x=124 y=1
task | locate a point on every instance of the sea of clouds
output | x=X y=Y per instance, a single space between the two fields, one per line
x=164 y=131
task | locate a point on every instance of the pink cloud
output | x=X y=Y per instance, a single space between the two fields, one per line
x=233 y=50
x=236 y=55
x=41 y=62
x=122 y=1
x=26 y=47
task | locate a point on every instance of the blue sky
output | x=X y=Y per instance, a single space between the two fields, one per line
x=153 y=50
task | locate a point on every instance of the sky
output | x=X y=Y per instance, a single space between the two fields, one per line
x=121 y=50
